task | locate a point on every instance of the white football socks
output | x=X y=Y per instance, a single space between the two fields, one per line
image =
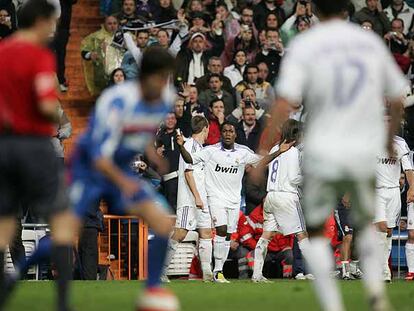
x=171 y=250
x=260 y=253
x=320 y=260
x=205 y=251
x=371 y=256
x=220 y=252
x=409 y=253
x=383 y=247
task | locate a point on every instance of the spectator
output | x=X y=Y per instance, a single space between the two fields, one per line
x=191 y=104
x=63 y=131
x=263 y=71
x=117 y=76
x=245 y=41
x=163 y=11
x=183 y=116
x=214 y=66
x=216 y=119
x=246 y=19
x=303 y=14
x=192 y=60
x=373 y=13
x=9 y=15
x=6 y=28
x=216 y=91
x=243 y=243
x=271 y=54
x=61 y=40
x=167 y=146
x=263 y=90
x=248 y=100
x=367 y=25
x=271 y=21
x=398 y=45
x=198 y=23
x=128 y=15
x=235 y=71
x=400 y=9
x=100 y=58
x=249 y=129
x=129 y=64
x=194 y=6
x=263 y=8
x=231 y=25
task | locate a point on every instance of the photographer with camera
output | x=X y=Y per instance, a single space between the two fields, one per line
x=398 y=44
x=248 y=100
x=264 y=91
x=303 y=12
x=400 y=9
x=271 y=53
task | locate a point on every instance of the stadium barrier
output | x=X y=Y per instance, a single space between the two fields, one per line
x=123 y=247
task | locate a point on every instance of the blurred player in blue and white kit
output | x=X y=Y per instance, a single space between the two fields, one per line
x=124 y=123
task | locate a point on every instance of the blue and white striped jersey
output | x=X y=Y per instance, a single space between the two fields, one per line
x=121 y=126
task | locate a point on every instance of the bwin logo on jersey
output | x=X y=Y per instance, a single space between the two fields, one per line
x=387 y=161
x=231 y=170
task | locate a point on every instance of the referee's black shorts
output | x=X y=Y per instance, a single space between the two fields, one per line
x=30 y=174
x=343 y=221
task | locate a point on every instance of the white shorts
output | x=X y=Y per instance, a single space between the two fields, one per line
x=322 y=195
x=282 y=213
x=388 y=206
x=223 y=215
x=410 y=216
x=191 y=218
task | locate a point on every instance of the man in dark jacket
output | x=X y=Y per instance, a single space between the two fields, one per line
x=373 y=13
x=249 y=129
x=265 y=7
x=192 y=60
x=214 y=66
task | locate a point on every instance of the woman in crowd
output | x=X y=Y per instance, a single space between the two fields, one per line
x=117 y=77
x=235 y=71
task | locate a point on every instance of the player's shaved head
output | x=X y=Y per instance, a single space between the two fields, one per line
x=331 y=8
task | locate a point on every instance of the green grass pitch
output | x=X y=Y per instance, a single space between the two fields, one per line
x=198 y=296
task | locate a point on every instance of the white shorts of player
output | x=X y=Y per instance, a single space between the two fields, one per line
x=388 y=206
x=410 y=216
x=282 y=213
x=224 y=214
x=191 y=218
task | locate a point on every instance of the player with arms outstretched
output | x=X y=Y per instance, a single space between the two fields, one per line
x=225 y=163
x=342 y=74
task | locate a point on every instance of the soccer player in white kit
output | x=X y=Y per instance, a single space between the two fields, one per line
x=192 y=207
x=388 y=205
x=409 y=246
x=342 y=74
x=282 y=211
x=225 y=163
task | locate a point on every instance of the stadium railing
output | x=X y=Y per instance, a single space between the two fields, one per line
x=117 y=247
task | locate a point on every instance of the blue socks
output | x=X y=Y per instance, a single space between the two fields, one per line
x=157 y=251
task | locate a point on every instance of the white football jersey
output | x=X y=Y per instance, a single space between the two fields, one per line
x=284 y=172
x=389 y=169
x=184 y=195
x=224 y=171
x=341 y=73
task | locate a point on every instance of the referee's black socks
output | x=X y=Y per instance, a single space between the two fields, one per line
x=62 y=258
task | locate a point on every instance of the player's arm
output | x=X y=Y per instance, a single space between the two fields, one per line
x=270 y=157
x=189 y=178
x=184 y=153
x=396 y=111
x=410 y=179
x=46 y=93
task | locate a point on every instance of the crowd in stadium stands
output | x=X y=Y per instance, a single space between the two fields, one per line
x=228 y=55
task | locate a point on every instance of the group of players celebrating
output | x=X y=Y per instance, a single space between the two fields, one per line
x=339 y=71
